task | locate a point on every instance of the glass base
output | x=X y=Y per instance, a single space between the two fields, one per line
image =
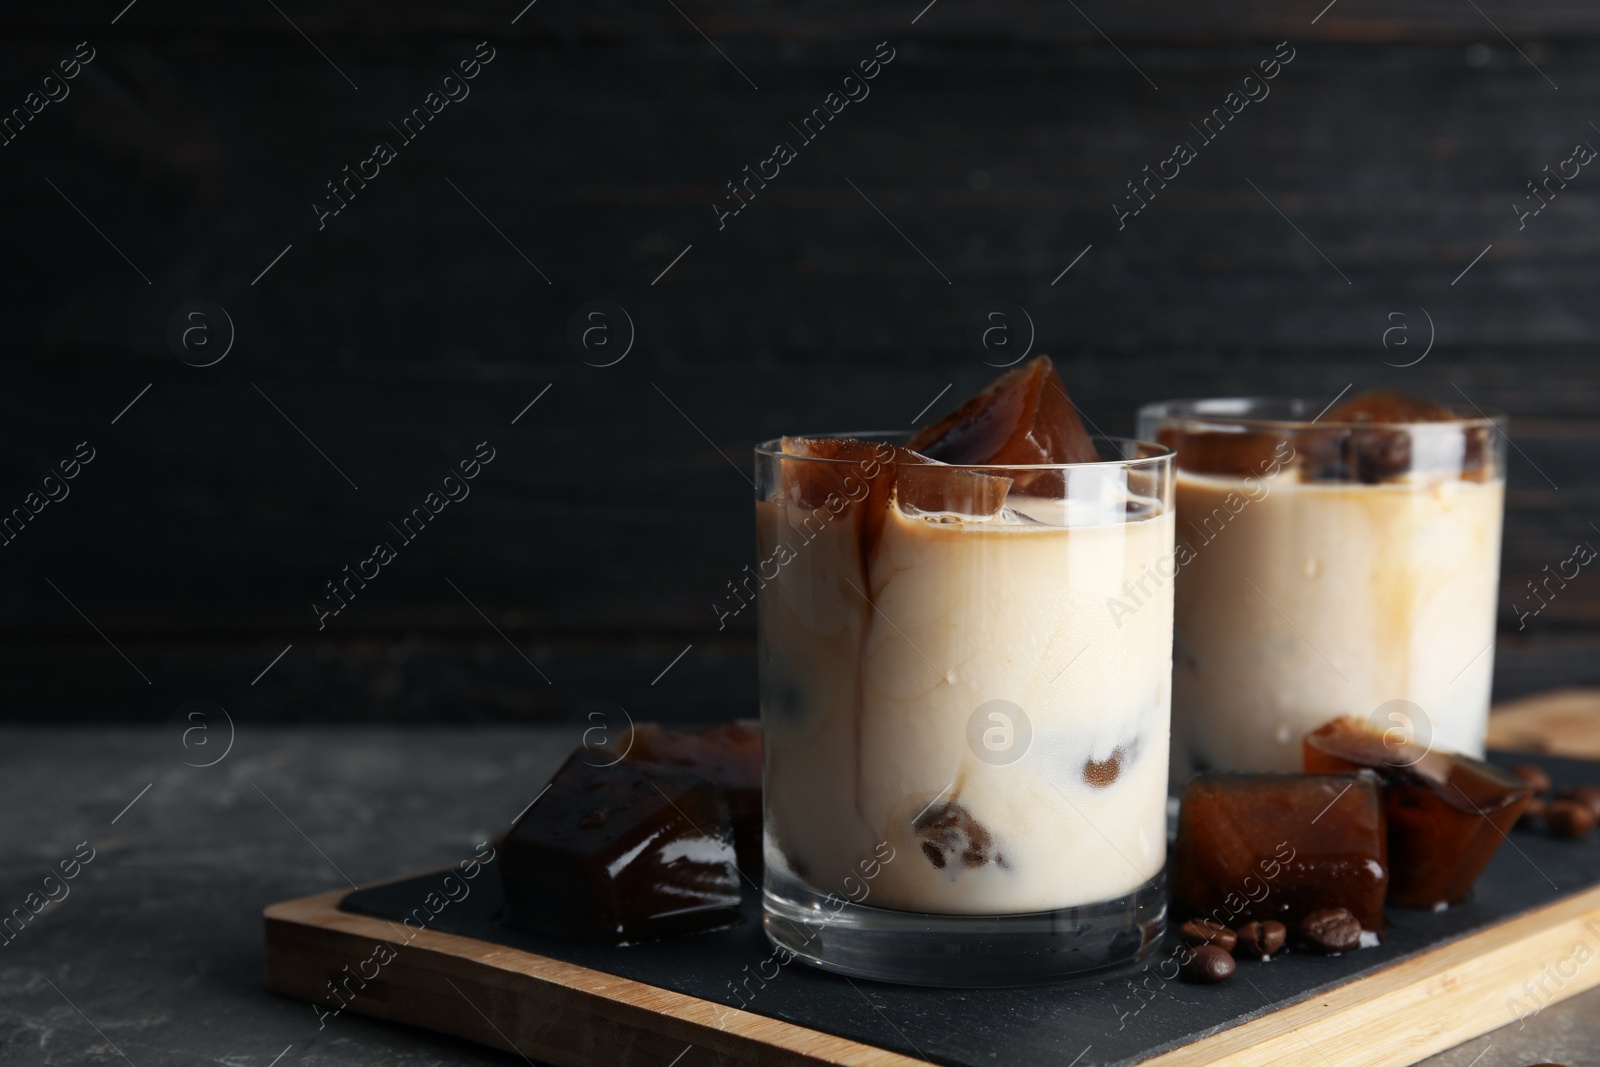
x=964 y=950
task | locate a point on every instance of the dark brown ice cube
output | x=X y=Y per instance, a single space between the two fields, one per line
x=1383 y=450
x=621 y=854
x=1024 y=416
x=848 y=464
x=1446 y=813
x=1253 y=847
x=843 y=479
x=951 y=837
x=728 y=756
x=1238 y=453
x=1387 y=405
x=934 y=489
x=1102 y=773
x=855 y=481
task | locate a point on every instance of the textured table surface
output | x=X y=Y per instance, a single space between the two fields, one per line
x=154 y=956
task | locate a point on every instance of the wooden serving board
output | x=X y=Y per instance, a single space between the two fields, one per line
x=1561 y=722
x=1439 y=980
x=565 y=1014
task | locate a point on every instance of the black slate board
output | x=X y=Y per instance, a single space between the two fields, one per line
x=1096 y=1022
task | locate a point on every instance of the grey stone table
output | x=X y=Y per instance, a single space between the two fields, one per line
x=153 y=956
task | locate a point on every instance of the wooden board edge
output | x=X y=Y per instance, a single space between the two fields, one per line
x=543 y=1008
x=1423 y=1005
x=1559 y=722
x=569 y=1015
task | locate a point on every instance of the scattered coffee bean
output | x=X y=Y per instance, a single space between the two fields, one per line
x=1257 y=941
x=1534 y=775
x=1331 y=930
x=1587 y=795
x=1207 y=964
x=1569 y=818
x=1207 y=932
x=1533 y=814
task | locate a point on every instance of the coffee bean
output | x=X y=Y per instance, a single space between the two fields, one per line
x=1569 y=818
x=1331 y=930
x=1207 y=932
x=1257 y=941
x=1587 y=795
x=1533 y=814
x=1207 y=964
x=1534 y=775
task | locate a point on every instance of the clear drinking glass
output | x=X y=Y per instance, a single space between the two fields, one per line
x=965 y=737
x=1329 y=569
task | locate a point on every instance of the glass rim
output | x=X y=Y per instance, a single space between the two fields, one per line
x=1158 y=452
x=1185 y=411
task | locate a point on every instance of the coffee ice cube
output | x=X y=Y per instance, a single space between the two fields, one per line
x=848 y=463
x=1022 y=417
x=1235 y=452
x=1446 y=813
x=728 y=756
x=1253 y=847
x=935 y=490
x=843 y=479
x=951 y=837
x=619 y=854
x=1388 y=405
x=1389 y=448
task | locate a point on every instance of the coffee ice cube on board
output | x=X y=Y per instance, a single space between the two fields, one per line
x=619 y=854
x=1252 y=847
x=728 y=756
x=1446 y=813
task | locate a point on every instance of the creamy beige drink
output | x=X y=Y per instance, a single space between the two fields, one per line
x=1317 y=601
x=1328 y=571
x=868 y=705
x=965 y=737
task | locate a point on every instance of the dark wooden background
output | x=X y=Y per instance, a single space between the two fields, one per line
x=997 y=140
